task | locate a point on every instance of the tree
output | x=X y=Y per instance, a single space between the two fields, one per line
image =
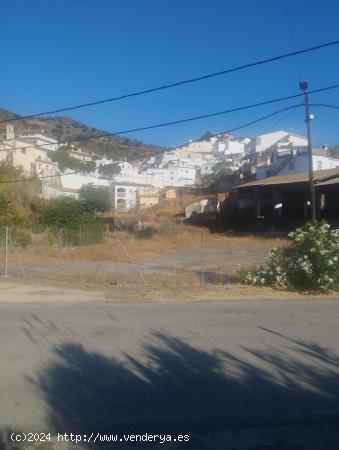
x=20 y=193
x=82 y=227
x=206 y=136
x=8 y=213
x=95 y=198
x=66 y=161
x=109 y=170
x=63 y=212
x=221 y=174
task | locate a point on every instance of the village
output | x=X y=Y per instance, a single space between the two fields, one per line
x=169 y=225
x=265 y=170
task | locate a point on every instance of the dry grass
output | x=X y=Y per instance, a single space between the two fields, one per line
x=80 y=290
x=161 y=212
x=160 y=244
x=170 y=235
x=175 y=247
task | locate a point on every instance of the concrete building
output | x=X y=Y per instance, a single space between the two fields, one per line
x=288 y=195
x=124 y=195
x=37 y=137
x=279 y=140
x=294 y=162
x=228 y=146
x=147 y=197
x=26 y=154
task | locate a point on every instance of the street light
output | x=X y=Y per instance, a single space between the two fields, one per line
x=304 y=87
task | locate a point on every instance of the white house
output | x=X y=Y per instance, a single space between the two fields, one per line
x=70 y=180
x=124 y=195
x=296 y=162
x=36 y=137
x=228 y=146
x=299 y=163
x=26 y=155
x=279 y=139
x=171 y=176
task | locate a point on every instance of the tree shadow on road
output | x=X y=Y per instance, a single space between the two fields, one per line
x=179 y=389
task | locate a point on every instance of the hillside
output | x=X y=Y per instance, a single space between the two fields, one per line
x=65 y=128
x=334 y=151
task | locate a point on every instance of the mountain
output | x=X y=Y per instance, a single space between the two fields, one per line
x=67 y=129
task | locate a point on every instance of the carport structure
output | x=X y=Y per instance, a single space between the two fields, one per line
x=289 y=196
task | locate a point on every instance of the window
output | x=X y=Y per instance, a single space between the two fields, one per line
x=23 y=150
x=121 y=192
x=319 y=165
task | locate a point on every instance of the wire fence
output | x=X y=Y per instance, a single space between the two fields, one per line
x=116 y=257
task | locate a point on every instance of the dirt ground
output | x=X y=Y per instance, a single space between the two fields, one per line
x=179 y=257
x=19 y=291
x=187 y=265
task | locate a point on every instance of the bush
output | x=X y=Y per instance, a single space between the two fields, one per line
x=8 y=213
x=309 y=263
x=21 y=238
x=80 y=226
x=63 y=212
x=95 y=198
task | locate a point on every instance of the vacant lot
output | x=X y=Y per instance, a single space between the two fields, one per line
x=168 y=260
x=189 y=264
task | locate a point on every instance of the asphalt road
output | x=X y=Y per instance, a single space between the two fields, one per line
x=233 y=375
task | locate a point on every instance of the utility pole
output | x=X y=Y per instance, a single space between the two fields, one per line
x=304 y=87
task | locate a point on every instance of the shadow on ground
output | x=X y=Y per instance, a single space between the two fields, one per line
x=266 y=401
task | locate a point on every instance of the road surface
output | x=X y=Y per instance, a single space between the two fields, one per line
x=232 y=375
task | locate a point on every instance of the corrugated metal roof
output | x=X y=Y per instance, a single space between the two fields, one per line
x=329 y=182
x=319 y=176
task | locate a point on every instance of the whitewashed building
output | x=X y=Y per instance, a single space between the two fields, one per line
x=124 y=195
x=27 y=155
x=279 y=140
x=296 y=162
x=36 y=137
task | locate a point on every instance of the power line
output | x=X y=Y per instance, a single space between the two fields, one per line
x=267 y=116
x=325 y=105
x=180 y=83
x=277 y=122
x=176 y=122
x=293 y=107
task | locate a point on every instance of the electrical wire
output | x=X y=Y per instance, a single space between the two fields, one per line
x=179 y=83
x=176 y=122
x=252 y=122
x=293 y=107
x=277 y=122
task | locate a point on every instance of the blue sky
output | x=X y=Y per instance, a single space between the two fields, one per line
x=59 y=53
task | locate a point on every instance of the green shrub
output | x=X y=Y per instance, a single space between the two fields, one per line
x=95 y=198
x=63 y=212
x=8 y=212
x=79 y=225
x=310 y=262
x=20 y=237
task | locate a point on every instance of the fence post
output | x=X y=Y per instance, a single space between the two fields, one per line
x=133 y=263
x=17 y=255
x=202 y=256
x=5 y=274
x=60 y=252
